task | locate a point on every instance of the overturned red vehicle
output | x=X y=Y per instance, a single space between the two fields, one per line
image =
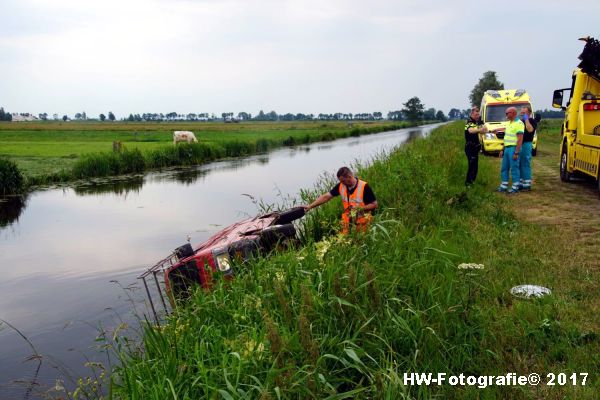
x=187 y=267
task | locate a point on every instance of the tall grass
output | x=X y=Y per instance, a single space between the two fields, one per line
x=108 y=164
x=11 y=179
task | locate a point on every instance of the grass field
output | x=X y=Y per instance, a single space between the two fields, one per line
x=347 y=318
x=45 y=148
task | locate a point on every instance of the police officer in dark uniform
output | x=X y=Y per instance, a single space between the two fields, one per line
x=473 y=128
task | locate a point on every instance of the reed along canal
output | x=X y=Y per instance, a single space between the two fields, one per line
x=70 y=256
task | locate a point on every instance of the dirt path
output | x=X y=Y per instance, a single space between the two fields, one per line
x=573 y=207
x=569 y=217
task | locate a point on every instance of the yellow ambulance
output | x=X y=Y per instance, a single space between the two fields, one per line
x=493 y=114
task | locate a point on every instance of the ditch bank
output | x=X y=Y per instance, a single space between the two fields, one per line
x=350 y=317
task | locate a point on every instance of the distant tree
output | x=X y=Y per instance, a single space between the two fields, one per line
x=78 y=116
x=65 y=118
x=260 y=116
x=440 y=116
x=5 y=115
x=429 y=114
x=454 y=113
x=413 y=109
x=83 y=116
x=394 y=115
x=102 y=117
x=377 y=115
x=130 y=118
x=43 y=116
x=489 y=81
x=111 y=116
x=272 y=116
x=244 y=116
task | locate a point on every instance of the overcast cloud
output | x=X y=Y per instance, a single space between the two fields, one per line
x=134 y=56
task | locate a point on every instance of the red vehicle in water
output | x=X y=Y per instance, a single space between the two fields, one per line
x=187 y=266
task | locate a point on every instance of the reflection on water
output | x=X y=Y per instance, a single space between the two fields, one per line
x=121 y=187
x=414 y=134
x=73 y=241
x=11 y=208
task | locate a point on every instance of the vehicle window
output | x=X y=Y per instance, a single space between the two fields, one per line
x=497 y=112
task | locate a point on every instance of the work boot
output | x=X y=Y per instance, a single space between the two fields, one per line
x=513 y=190
x=502 y=189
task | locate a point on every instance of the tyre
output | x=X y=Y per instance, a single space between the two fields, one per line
x=287 y=216
x=565 y=175
x=184 y=251
x=275 y=234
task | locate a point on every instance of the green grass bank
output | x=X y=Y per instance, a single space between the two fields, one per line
x=347 y=318
x=48 y=152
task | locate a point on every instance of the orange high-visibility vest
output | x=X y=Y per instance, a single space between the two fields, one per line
x=356 y=199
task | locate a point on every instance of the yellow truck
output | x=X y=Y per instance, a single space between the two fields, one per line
x=493 y=114
x=580 y=145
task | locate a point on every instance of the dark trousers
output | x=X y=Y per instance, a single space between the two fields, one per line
x=472 y=153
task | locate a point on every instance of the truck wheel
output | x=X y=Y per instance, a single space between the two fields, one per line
x=565 y=175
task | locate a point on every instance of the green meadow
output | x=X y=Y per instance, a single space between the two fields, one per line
x=48 y=152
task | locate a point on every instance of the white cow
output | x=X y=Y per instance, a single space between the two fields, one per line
x=184 y=136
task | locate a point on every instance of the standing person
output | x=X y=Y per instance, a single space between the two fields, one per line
x=358 y=200
x=473 y=128
x=526 y=150
x=513 y=140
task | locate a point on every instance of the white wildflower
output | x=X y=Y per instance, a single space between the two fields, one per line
x=470 y=266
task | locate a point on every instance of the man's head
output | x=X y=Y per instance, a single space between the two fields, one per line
x=475 y=113
x=511 y=113
x=346 y=177
x=526 y=110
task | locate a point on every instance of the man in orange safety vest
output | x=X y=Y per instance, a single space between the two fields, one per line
x=358 y=200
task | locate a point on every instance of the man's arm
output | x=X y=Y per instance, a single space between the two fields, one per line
x=528 y=126
x=370 y=207
x=477 y=129
x=519 y=144
x=322 y=199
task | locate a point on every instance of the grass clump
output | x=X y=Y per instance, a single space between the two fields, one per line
x=11 y=179
x=109 y=164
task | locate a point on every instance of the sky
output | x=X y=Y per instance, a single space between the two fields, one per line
x=309 y=56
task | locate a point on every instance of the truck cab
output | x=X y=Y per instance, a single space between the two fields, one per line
x=580 y=145
x=493 y=108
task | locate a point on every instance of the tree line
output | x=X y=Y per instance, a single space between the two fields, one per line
x=414 y=110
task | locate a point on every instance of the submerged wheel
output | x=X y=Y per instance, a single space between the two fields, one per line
x=565 y=175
